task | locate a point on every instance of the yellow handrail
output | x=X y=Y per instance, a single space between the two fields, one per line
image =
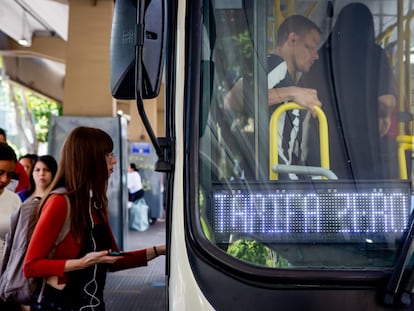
x=405 y=142
x=405 y=139
x=273 y=136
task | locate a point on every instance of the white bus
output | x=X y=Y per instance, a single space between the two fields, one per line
x=319 y=219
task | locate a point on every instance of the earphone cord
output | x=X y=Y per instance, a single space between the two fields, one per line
x=94 y=301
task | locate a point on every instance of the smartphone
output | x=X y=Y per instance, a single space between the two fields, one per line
x=113 y=253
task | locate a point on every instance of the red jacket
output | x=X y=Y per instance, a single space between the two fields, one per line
x=51 y=221
x=24 y=181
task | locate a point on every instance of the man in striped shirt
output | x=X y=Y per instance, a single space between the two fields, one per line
x=296 y=51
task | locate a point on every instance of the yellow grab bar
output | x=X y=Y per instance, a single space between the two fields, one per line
x=405 y=139
x=405 y=142
x=273 y=136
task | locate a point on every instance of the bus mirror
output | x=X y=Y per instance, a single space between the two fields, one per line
x=125 y=38
x=153 y=49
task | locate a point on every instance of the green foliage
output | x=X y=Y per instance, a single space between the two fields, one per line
x=237 y=62
x=256 y=253
x=244 y=43
x=41 y=111
x=204 y=223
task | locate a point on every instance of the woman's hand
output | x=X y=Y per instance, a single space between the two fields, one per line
x=93 y=258
x=90 y=259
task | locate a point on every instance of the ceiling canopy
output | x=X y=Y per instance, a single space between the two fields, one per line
x=33 y=34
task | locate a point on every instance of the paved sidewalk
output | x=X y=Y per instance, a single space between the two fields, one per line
x=140 y=288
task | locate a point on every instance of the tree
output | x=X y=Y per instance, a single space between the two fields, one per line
x=33 y=113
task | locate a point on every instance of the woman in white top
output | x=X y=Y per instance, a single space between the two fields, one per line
x=134 y=183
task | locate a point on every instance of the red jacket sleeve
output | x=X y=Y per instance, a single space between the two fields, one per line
x=137 y=258
x=47 y=229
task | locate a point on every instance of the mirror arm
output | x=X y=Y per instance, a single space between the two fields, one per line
x=162 y=146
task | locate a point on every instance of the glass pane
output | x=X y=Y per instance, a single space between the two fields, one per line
x=324 y=183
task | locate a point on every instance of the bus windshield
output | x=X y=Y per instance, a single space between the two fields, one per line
x=305 y=133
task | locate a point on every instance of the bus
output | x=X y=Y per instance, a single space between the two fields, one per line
x=256 y=221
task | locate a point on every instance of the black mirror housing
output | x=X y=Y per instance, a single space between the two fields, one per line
x=125 y=38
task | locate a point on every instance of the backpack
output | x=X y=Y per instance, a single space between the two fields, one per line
x=14 y=286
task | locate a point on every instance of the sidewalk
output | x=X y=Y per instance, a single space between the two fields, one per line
x=140 y=288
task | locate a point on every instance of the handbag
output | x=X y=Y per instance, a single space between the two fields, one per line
x=138 y=215
x=48 y=298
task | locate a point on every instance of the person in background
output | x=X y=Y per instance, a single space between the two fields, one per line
x=76 y=272
x=9 y=201
x=44 y=170
x=134 y=183
x=20 y=180
x=28 y=161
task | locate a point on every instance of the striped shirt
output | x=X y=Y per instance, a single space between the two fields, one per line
x=290 y=123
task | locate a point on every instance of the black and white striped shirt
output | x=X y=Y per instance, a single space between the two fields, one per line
x=290 y=123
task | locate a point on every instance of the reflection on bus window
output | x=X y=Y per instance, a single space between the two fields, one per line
x=346 y=64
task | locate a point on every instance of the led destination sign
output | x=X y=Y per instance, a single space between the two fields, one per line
x=301 y=216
